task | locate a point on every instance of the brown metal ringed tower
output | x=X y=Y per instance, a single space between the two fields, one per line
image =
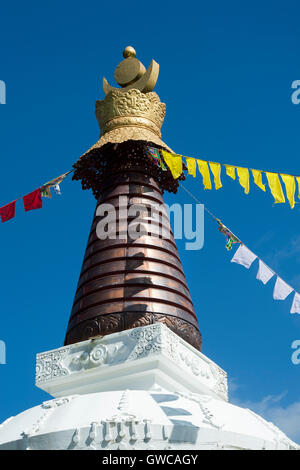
x=131 y=274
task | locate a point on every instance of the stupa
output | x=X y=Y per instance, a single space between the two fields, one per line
x=131 y=374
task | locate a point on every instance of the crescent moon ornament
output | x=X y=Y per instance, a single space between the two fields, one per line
x=131 y=73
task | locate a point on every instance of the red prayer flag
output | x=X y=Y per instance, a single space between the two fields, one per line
x=33 y=200
x=7 y=212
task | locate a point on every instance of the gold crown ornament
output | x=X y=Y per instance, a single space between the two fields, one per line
x=134 y=111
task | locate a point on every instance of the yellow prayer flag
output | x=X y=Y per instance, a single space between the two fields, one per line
x=258 y=179
x=275 y=187
x=191 y=166
x=298 y=181
x=216 y=171
x=230 y=171
x=290 y=186
x=203 y=168
x=243 y=175
x=174 y=163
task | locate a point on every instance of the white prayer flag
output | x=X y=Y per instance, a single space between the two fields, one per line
x=281 y=289
x=264 y=273
x=57 y=189
x=243 y=256
x=296 y=304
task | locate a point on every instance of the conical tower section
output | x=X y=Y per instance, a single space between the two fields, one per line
x=131 y=274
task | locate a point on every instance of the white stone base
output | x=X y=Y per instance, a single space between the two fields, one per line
x=140 y=420
x=142 y=359
x=144 y=388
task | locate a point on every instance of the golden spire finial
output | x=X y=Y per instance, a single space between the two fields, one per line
x=129 y=52
x=131 y=73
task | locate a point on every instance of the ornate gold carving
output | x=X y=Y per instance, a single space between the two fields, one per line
x=130 y=108
x=132 y=112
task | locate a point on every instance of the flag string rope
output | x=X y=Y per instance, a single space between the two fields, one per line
x=235 y=166
x=45 y=185
x=291 y=289
x=33 y=200
x=175 y=163
x=215 y=218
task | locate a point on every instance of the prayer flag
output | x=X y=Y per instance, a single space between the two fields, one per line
x=298 y=181
x=281 y=289
x=230 y=171
x=275 y=187
x=33 y=200
x=204 y=170
x=296 y=304
x=290 y=187
x=243 y=256
x=46 y=191
x=243 y=175
x=216 y=171
x=258 y=179
x=57 y=189
x=264 y=273
x=7 y=212
x=191 y=166
x=230 y=238
x=156 y=158
x=174 y=163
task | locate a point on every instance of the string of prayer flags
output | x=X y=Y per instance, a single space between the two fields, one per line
x=8 y=212
x=174 y=163
x=246 y=257
x=281 y=291
x=33 y=200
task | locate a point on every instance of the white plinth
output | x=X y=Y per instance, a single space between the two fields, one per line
x=144 y=388
x=142 y=359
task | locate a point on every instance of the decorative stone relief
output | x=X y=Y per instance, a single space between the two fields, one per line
x=221 y=383
x=203 y=402
x=148 y=341
x=49 y=365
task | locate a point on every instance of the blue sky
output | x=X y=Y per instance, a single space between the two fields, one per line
x=226 y=74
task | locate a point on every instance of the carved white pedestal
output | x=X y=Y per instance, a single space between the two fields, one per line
x=140 y=359
x=144 y=388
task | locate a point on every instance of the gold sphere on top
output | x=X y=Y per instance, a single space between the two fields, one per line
x=131 y=73
x=129 y=52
